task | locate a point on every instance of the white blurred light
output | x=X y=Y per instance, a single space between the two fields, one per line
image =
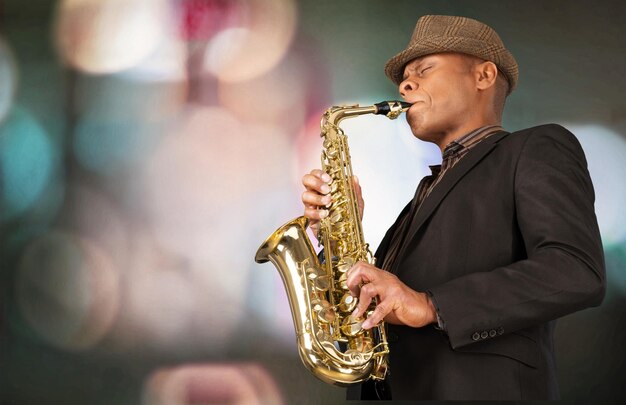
x=242 y=53
x=166 y=64
x=68 y=290
x=107 y=36
x=8 y=79
x=605 y=151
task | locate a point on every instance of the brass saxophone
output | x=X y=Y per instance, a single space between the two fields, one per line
x=331 y=343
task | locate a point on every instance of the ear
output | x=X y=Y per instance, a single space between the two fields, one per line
x=486 y=74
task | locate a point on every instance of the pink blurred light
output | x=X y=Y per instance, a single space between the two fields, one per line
x=250 y=101
x=247 y=51
x=203 y=185
x=211 y=384
x=201 y=19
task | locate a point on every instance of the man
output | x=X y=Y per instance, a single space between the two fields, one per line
x=499 y=241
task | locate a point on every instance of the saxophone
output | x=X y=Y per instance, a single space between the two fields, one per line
x=332 y=344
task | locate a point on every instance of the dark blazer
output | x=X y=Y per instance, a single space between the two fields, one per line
x=506 y=243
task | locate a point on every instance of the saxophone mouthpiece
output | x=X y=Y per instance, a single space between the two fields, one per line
x=392 y=109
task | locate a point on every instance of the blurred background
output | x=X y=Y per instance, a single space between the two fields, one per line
x=148 y=147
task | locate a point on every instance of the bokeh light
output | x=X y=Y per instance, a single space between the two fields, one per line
x=104 y=146
x=198 y=186
x=162 y=302
x=26 y=162
x=97 y=217
x=605 y=151
x=165 y=64
x=200 y=172
x=247 y=51
x=119 y=118
x=247 y=384
x=67 y=290
x=8 y=79
x=287 y=83
x=107 y=36
x=201 y=19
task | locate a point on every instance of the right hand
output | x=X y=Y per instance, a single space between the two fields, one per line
x=316 y=197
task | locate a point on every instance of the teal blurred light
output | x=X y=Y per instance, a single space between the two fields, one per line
x=26 y=163
x=105 y=145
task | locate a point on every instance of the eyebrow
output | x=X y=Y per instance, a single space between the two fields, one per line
x=417 y=63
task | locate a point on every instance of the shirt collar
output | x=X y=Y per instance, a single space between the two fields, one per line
x=468 y=140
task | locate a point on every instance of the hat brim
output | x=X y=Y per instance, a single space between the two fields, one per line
x=504 y=60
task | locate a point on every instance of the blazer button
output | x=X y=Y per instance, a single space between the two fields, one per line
x=500 y=330
x=475 y=336
x=484 y=334
x=492 y=333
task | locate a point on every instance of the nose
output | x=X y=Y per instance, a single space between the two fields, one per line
x=407 y=86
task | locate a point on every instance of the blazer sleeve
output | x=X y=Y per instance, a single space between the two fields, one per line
x=564 y=269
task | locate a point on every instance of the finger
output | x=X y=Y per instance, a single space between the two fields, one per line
x=315 y=200
x=322 y=175
x=358 y=275
x=315 y=214
x=317 y=181
x=368 y=292
x=377 y=316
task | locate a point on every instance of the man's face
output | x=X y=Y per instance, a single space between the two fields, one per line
x=442 y=88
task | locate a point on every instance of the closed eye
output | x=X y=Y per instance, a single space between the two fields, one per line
x=424 y=70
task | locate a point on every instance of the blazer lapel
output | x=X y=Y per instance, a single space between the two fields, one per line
x=450 y=179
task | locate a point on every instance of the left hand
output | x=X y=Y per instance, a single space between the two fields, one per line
x=397 y=303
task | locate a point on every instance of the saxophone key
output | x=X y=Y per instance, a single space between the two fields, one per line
x=348 y=303
x=351 y=326
x=324 y=311
x=345 y=264
x=361 y=344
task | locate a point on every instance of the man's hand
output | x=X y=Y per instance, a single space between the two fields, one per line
x=397 y=303
x=316 y=198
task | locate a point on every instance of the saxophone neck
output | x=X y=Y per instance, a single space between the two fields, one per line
x=390 y=109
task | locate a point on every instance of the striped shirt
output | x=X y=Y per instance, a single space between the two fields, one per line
x=452 y=153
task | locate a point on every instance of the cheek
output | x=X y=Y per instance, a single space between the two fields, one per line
x=448 y=99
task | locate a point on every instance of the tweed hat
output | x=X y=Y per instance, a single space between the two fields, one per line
x=442 y=33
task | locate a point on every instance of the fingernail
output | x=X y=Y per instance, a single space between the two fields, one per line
x=325 y=189
x=323 y=213
x=326 y=200
x=356 y=179
x=325 y=177
x=367 y=324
